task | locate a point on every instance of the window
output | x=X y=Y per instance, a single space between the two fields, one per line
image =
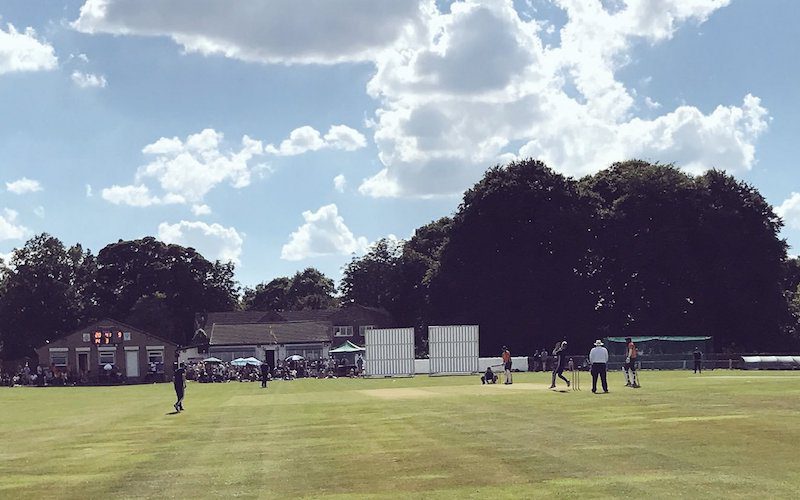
x=155 y=356
x=343 y=331
x=126 y=335
x=309 y=353
x=87 y=337
x=107 y=358
x=58 y=359
x=362 y=329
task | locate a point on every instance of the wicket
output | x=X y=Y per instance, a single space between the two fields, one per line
x=575 y=379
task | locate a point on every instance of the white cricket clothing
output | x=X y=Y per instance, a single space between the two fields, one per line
x=598 y=355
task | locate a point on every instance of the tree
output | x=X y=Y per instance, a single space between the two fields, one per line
x=648 y=223
x=516 y=260
x=307 y=289
x=683 y=255
x=178 y=279
x=311 y=289
x=272 y=296
x=46 y=292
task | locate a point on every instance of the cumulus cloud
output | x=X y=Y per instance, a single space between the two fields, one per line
x=474 y=85
x=9 y=228
x=304 y=139
x=324 y=233
x=270 y=31
x=339 y=183
x=88 y=80
x=213 y=241
x=186 y=170
x=23 y=185
x=199 y=210
x=789 y=211
x=23 y=51
x=440 y=125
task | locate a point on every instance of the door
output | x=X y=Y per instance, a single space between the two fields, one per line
x=83 y=362
x=131 y=364
x=270 y=355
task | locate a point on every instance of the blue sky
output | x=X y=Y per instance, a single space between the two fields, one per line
x=288 y=134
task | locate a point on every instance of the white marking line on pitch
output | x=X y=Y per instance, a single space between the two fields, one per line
x=747 y=377
x=700 y=419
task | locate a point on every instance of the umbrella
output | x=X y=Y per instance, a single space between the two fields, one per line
x=212 y=359
x=108 y=367
x=295 y=357
x=239 y=362
x=252 y=361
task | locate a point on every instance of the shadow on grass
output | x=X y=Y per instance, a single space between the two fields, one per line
x=173 y=413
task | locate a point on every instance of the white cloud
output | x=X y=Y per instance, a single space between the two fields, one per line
x=304 y=139
x=187 y=170
x=22 y=51
x=460 y=90
x=339 y=183
x=789 y=211
x=9 y=229
x=324 y=233
x=89 y=191
x=24 y=185
x=651 y=104
x=442 y=121
x=88 y=80
x=39 y=212
x=199 y=210
x=135 y=196
x=213 y=241
x=274 y=31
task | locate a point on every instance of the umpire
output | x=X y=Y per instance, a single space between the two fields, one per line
x=598 y=358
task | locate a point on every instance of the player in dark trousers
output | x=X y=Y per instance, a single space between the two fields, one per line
x=179 y=379
x=264 y=374
x=598 y=357
x=698 y=360
x=559 y=363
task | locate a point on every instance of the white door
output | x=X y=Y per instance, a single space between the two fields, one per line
x=132 y=363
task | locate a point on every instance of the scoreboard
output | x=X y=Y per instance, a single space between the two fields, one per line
x=108 y=337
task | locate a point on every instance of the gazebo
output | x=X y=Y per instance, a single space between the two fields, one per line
x=348 y=352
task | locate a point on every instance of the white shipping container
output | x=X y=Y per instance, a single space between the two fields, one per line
x=453 y=349
x=389 y=352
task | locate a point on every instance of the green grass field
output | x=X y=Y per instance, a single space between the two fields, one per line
x=722 y=434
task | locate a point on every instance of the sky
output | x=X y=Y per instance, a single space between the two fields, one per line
x=285 y=134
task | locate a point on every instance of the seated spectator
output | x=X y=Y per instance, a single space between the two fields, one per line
x=489 y=377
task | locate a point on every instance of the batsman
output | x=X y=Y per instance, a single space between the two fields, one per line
x=631 y=378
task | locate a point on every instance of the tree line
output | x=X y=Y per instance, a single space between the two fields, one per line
x=637 y=249
x=529 y=255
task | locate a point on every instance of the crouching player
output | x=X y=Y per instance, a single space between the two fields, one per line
x=489 y=377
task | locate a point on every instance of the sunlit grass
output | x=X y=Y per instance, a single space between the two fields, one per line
x=722 y=434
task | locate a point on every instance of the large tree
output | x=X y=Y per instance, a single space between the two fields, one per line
x=46 y=291
x=307 y=289
x=148 y=275
x=683 y=255
x=517 y=260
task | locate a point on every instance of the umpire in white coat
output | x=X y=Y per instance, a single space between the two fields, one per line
x=598 y=358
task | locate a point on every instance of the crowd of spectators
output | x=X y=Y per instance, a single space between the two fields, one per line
x=43 y=376
x=284 y=370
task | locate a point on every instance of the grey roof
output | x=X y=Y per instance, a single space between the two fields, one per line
x=290 y=332
x=242 y=317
